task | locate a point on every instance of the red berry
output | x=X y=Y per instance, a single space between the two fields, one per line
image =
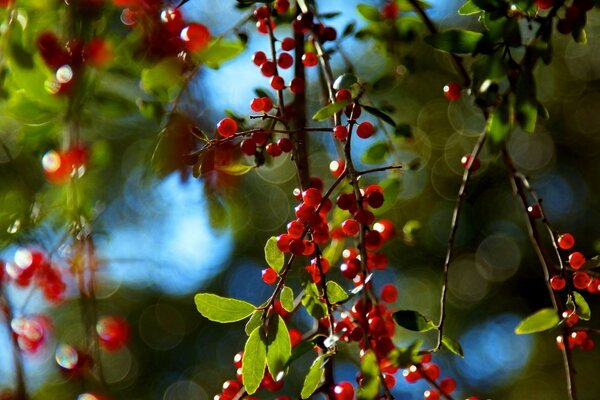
x=312 y=197
x=97 y=53
x=557 y=282
x=262 y=25
x=412 y=374
x=269 y=276
x=340 y=132
x=389 y=293
x=432 y=371
x=447 y=385
x=285 y=145
x=257 y=104
x=343 y=391
x=285 y=60
x=277 y=82
x=248 y=146
x=431 y=394
x=390 y=380
x=52 y=52
x=237 y=359
x=288 y=44
x=534 y=211
x=259 y=58
x=566 y=241
x=172 y=20
x=386 y=228
x=295 y=337
x=389 y=11
x=227 y=127
x=350 y=269
x=262 y=12
x=297 y=85
x=452 y=91
x=581 y=280
x=113 y=332
x=328 y=34
x=282 y=6
x=466 y=159
x=373 y=240
x=350 y=227
x=273 y=150
x=365 y=129
x=576 y=260
x=570 y=318
x=375 y=199
x=268 y=68
x=309 y=59
x=195 y=36
x=231 y=388
x=342 y=95
x=268 y=104
x=544 y=4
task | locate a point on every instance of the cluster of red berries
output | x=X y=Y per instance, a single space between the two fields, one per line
x=68 y=59
x=31 y=332
x=430 y=371
x=60 y=166
x=31 y=266
x=578 y=338
x=581 y=279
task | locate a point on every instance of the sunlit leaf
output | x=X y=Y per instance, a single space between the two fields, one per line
x=235 y=169
x=452 y=345
x=335 y=292
x=330 y=110
x=539 y=321
x=369 y=369
x=254 y=321
x=313 y=377
x=279 y=348
x=287 y=298
x=254 y=361
x=222 y=309
x=273 y=256
x=581 y=307
x=469 y=8
x=219 y=51
x=344 y=81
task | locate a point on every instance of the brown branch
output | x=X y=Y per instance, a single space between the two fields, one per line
x=20 y=387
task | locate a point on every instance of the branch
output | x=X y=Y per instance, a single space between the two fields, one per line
x=5 y=309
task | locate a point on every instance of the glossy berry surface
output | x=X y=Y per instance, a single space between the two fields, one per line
x=576 y=260
x=113 y=332
x=566 y=241
x=269 y=276
x=466 y=159
x=343 y=391
x=227 y=127
x=196 y=37
x=452 y=91
x=557 y=282
x=365 y=130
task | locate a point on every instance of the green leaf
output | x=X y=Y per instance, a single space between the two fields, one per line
x=375 y=154
x=335 y=292
x=368 y=12
x=453 y=346
x=235 y=169
x=379 y=114
x=218 y=52
x=526 y=109
x=314 y=377
x=279 y=347
x=410 y=355
x=455 y=41
x=540 y=321
x=330 y=109
x=287 y=299
x=344 y=81
x=312 y=301
x=581 y=307
x=369 y=369
x=468 y=8
x=254 y=361
x=413 y=320
x=498 y=125
x=163 y=79
x=254 y=321
x=222 y=309
x=273 y=256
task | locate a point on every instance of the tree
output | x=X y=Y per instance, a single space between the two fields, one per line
x=342 y=180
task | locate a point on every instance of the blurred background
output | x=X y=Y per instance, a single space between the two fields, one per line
x=163 y=236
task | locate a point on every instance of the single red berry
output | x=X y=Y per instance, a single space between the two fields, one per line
x=431 y=394
x=566 y=241
x=262 y=25
x=452 y=91
x=259 y=58
x=312 y=197
x=97 y=53
x=285 y=60
x=426 y=358
x=113 y=332
x=576 y=260
x=342 y=95
x=283 y=242
x=411 y=374
x=273 y=150
x=373 y=240
x=268 y=104
x=268 y=68
x=557 y=282
x=432 y=371
x=581 y=280
x=328 y=34
x=364 y=217
x=337 y=167
x=172 y=20
x=340 y=132
x=257 y=104
x=389 y=293
x=288 y=44
x=389 y=10
x=350 y=269
x=375 y=199
x=350 y=227
x=237 y=359
x=587 y=345
x=297 y=247
x=285 y=145
x=195 y=36
x=260 y=137
x=386 y=228
x=231 y=388
x=365 y=129
x=447 y=385
x=343 y=391
x=534 y=211
x=544 y=4
x=269 y=276
x=297 y=85
x=227 y=127
x=53 y=54
x=262 y=12
x=309 y=59
x=571 y=318
x=466 y=159
x=277 y=82
x=282 y=6
x=390 y=380
x=248 y=147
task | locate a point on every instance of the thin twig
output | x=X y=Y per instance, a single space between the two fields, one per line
x=20 y=387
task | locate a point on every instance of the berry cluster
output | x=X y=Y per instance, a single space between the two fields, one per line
x=431 y=372
x=580 y=278
x=60 y=166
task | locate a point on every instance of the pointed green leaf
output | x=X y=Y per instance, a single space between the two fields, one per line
x=314 y=377
x=335 y=292
x=235 y=169
x=526 y=109
x=368 y=12
x=254 y=361
x=274 y=257
x=344 y=81
x=375 y=154
x=222 y=309
x=254 y=321
x=218 y=52
x=413 y=320
x=498 y=125
x=279 y=347
x=369 y=369
x=287 y=299
x=312 y=301
x=455 y=41
x=453 y=346
x=468 y=8
x=581 y=307
x=379 y=114
x=330 y=110
x=540 y=321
